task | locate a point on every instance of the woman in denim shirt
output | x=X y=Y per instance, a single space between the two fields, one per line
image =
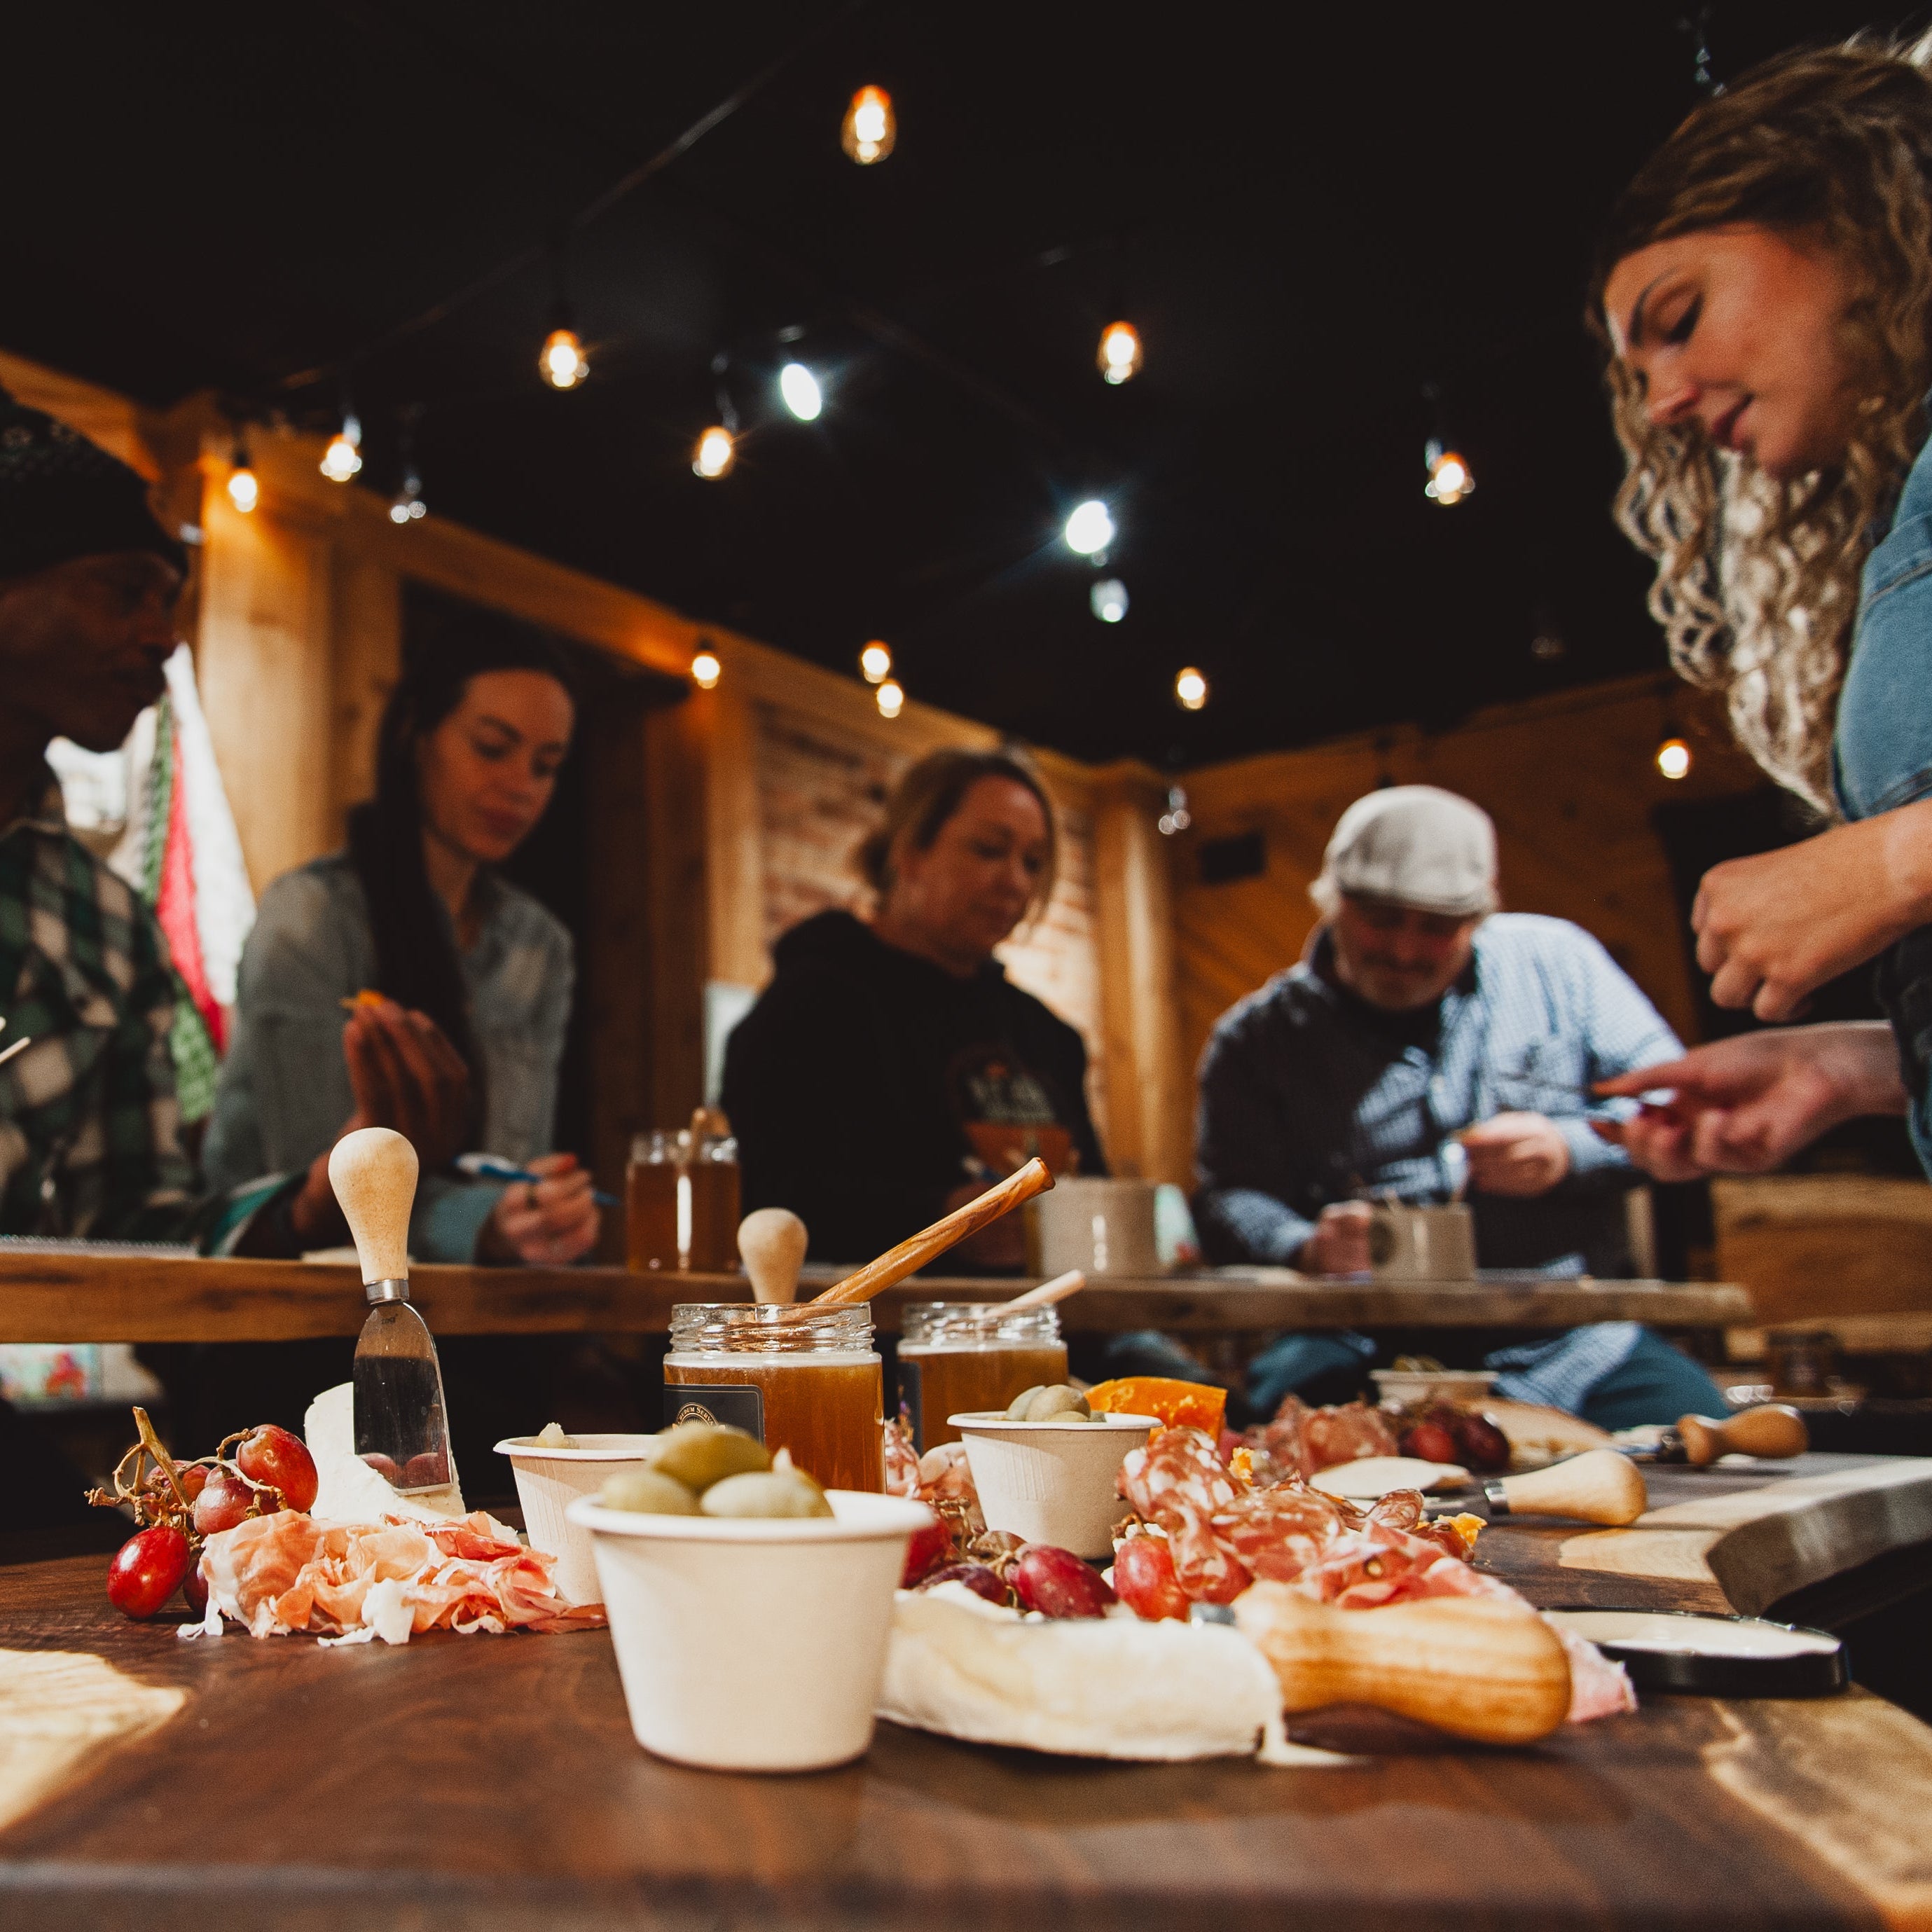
x=1766 y=291
x=477 y=971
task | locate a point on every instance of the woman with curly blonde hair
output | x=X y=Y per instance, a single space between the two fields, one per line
x=1765 y=290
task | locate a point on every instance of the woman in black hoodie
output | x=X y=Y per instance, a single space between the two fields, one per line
x=890 y=1070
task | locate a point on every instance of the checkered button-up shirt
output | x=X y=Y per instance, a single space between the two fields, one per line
x=90 y=1140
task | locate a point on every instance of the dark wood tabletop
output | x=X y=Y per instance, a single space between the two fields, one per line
x=483 y=1783
x=77 y=1296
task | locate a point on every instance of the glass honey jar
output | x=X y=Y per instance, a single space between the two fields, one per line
x=812 y=1384
x=955 y=1356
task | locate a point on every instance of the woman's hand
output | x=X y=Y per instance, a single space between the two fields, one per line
x=549 y=1222
x=1743 y=1105
x=1772 y=929
x=1339 y=1244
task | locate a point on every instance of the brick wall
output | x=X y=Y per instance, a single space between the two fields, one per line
x=821 y=790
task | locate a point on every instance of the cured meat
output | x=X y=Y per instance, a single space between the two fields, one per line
x=1301 y=1441
x=1177 y=1481
x=282 y=1573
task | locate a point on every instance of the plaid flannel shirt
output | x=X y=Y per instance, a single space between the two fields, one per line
x=90 y=1140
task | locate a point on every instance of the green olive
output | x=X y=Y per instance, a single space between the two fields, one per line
x=1057 y=1403
x=1016 y=1409
x=647 y=1493
x=766 y=1492
x=700 y=1453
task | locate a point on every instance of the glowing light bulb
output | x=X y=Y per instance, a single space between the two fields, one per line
x=892 y=698
x=800 y=388
x=1673 y=758
x=344 y=457
x=1109 y=600
x=1190 y=689
x=1089 y=529
x=244 y=491
x=1176 y=817
x=870 y=127
x=561 y=361
x=1449 y=478
x=875 y=662
x=1119 y=356
x=706 y=670
x=408 y=506
x=717 y=450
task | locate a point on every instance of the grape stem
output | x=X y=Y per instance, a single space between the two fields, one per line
x=152 y=1443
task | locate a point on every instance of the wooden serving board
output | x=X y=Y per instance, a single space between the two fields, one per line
x=1732 y=1539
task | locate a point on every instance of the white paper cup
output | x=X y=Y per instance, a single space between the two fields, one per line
x=753 y=1643
x=1413 y=1385
x=1051 y=1482
x=549 y=1481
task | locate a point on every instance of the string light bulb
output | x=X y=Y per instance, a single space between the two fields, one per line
x=870 y=127
x=800 y=388
x=344 y=457
x=245 y=490
x=1108 y=600
x=1673 y=758
x=1190 y=689
x=891 y=696
x=561 y=362
x=717 y=450
x=1120 y=354
x=875 y=662
x=408 y=506
x=1449 y=478
x=1090 y=529
x=706 y=669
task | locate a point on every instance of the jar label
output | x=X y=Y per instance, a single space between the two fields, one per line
x=737 y=1404
x=911 y=1410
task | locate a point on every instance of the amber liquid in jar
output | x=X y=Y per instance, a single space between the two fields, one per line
x=955 y=1356
x=716 y=1193
x=811 y=1385
x=650 y=1203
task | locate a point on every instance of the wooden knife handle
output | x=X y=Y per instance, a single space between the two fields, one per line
x=374 y=1172
x=1470 y=1666
x=1599 y=1485
x=1772 y=1428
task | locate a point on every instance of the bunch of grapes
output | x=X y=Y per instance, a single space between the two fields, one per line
x=1003 y=1570
x=177 y=1506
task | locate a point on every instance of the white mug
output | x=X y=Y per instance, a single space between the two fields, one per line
x=1099 y=1226
x=1412 y=1243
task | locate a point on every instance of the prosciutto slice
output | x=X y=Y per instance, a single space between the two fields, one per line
x=287 y=1572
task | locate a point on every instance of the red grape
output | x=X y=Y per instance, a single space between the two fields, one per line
x=930 y=1546
x=273 y=1456
x=147 y=1570
x=976 y=1577
x=1484 y=1446
x=1144 y=1579
x=1056 y=1583
x=224 y=1501
x=194 y=1587
x=1431 y=1440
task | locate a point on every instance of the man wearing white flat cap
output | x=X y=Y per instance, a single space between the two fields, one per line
x=1428 y=1044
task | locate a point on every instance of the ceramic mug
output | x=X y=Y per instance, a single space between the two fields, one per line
x=1412 y=1243
x=1100 y=1226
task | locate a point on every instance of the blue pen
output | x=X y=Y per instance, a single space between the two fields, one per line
x=487 y=1167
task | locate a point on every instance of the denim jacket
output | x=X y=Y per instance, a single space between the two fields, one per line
x=284 y=1092
x=1882 y=753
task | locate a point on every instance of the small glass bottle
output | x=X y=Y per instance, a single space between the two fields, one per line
x=650 y=1202
x=812 y=1384
x=955 y=1356
x=715 y=1194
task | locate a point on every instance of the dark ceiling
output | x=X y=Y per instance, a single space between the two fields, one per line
x=1310 y=217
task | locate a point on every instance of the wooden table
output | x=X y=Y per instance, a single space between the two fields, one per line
x=82 y=1298
x=483 y=1783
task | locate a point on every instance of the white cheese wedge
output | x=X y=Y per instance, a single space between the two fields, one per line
x=349 y=1490
x=1376 y=1475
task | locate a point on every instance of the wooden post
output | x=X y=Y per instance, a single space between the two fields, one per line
x=1149 y=1130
